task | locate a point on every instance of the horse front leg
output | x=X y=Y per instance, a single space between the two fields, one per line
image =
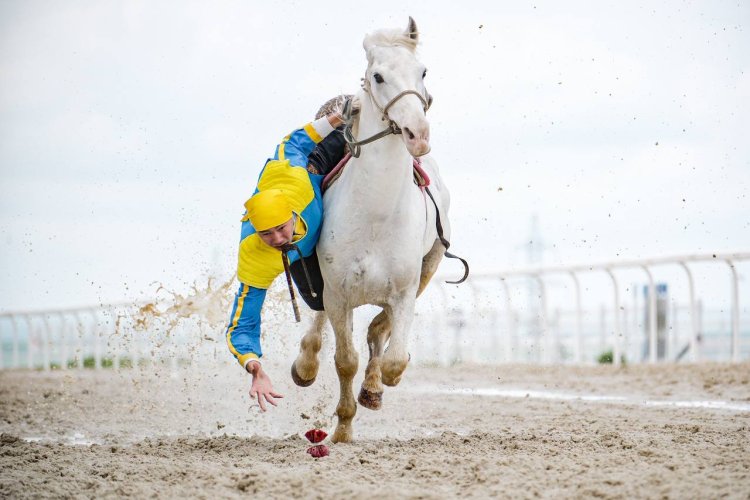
x=371 y=393
x=347 y=362
x=305 y=367
x=396 y=356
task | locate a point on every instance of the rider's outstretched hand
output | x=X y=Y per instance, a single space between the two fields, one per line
x=262 y=388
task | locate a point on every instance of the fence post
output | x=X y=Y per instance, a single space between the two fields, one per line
x=114 y=337
x=545 y=339
x=625 y=323
x=29 y=347
x=443 y=327
x=674 y=333
x=96 y=331
x=602 y=328
x=510 y=322
x=699 y=315
x=694 y=354
x=458 y=354
x=46 y=341
x=651 y=316
x=735 y=313
x=578 y=347
x=63 y=342
x=495 y=344
x=475 y=347
x=616 y=319
x=16 y=348
x=635 y=324
x=80 y=330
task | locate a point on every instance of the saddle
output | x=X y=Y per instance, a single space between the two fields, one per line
x=421 y=178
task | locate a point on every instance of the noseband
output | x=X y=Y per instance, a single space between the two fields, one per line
x=384 y=111
x=355 y=145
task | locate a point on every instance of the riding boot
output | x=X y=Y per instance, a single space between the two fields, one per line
x=309 y=282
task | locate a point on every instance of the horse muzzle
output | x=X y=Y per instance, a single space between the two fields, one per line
x=417 y=140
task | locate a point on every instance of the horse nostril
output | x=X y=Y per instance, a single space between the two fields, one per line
x=411 y=136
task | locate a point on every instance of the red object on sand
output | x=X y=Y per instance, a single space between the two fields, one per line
x=318 y=451
x=316 y=436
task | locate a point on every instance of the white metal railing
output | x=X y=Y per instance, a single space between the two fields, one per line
x=473 y=327
x=62 y=338
x=539 y=274
x=99 y=337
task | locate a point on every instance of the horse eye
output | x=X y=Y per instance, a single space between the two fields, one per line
x=378 y=78
x=424 y=74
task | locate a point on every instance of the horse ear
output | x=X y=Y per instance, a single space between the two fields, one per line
x=411 y=30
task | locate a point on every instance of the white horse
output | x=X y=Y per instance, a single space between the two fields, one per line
x=379 y=243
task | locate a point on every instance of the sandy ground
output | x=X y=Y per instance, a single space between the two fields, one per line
x=196 y=433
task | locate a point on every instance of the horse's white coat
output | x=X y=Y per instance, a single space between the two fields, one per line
x=379 y=225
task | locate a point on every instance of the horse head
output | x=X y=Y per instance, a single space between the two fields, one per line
x=394 y=81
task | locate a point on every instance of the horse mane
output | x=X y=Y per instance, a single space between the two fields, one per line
x=391 y=38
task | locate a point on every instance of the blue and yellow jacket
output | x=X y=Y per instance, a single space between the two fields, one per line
x=259 y=264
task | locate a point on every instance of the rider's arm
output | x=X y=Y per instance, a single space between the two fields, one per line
x=243 y=332
x=298 y=145
x=243 y=337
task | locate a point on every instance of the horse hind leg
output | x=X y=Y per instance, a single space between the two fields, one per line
x=347 y=362
x=305 y=367
x=430 y=264
x=371 y=393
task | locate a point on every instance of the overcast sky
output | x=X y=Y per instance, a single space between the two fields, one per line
x=131 y=133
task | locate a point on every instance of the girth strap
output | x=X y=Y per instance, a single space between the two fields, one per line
x=445 y=242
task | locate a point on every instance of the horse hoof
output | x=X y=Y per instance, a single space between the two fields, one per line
x=299 y=380
x=342 y=436
x=370 y=400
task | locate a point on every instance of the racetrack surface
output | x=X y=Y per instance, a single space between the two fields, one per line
x=441 y=433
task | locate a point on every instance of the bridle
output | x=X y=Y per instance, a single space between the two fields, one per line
x=355 y=145
x=355 y=149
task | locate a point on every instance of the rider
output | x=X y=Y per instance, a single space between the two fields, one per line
x=282 y=221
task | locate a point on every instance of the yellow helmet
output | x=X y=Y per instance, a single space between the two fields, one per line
x=267 y=209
